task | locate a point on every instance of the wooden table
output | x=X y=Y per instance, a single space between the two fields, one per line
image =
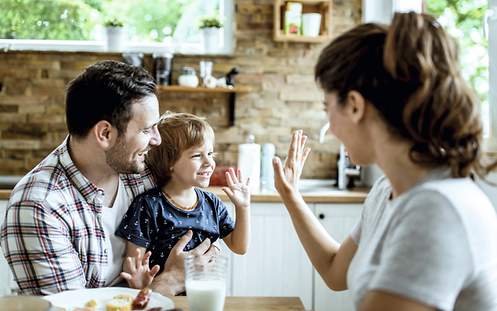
x=252 y=303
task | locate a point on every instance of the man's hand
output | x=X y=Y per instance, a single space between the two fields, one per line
x=137 y=271
x=172 y=280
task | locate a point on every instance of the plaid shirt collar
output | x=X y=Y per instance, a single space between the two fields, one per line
x=92 y=194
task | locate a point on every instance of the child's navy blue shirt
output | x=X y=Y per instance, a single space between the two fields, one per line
x=156 y=224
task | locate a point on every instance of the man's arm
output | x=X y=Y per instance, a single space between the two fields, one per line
x=39 y=251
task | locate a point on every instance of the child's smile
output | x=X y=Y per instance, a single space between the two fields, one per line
x=195 y=166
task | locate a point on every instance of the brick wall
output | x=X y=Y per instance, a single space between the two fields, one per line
x=283 y=98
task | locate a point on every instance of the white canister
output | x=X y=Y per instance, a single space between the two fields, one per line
x=311 y=24
x=267 y=172
x=249 y=162
x=115 y=38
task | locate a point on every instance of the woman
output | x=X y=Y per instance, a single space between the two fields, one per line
x=427 y=237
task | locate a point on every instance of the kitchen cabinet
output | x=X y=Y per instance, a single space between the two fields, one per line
x=275 y=264
x=338 y=220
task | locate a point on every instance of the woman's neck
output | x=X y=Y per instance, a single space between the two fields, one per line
x=403 y=174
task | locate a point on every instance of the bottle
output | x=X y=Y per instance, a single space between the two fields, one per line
x=163 y=65
x=249 y=162
x=267 y=172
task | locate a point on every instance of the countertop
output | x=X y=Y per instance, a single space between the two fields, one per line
x=331 y=195
x=313 y=191
x=320 y=196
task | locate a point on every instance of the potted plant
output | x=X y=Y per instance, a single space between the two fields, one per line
x=211 y=30
x=114 y=30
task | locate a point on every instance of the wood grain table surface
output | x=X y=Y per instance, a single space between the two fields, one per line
x=252 y=303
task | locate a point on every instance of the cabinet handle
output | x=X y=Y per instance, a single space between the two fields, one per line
x=321 y=216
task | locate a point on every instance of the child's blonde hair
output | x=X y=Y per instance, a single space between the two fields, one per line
x=178 y=131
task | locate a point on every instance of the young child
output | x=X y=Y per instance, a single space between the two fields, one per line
x=181 y=165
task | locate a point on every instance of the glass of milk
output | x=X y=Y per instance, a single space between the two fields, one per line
x=205 y=282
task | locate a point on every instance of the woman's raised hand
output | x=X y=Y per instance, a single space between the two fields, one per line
x=287 y=176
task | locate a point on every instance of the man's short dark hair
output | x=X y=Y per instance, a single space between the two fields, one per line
x=105 y=91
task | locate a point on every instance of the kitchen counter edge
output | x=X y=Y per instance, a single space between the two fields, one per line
x=332 y=196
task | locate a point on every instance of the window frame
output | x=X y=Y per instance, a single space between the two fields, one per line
x=382 y=11
x=188 y=48
x=490 y=143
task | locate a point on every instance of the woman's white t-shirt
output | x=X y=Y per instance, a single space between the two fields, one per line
x=436 y=244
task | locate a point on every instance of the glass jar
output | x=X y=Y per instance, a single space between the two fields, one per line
x=188 y=77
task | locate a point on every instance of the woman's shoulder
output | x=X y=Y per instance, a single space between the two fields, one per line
x=456 y=192
x=379 y=193
x=460 y=195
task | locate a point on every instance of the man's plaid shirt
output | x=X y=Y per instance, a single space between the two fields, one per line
x=53 y=236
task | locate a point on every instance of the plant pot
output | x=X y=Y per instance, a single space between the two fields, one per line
x=211 y=39
x=115 y=38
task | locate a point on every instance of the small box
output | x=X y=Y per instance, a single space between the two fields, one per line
x=293 y=18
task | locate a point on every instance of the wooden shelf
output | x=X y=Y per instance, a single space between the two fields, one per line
x=299 y=38
x=186 y=89
x=315 y=6
x=218 y=90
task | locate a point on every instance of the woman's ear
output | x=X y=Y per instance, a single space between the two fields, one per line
x=356 y=106
x=105 y=134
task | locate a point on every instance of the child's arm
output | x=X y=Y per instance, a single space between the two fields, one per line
x=136 y=270
x=239 y=193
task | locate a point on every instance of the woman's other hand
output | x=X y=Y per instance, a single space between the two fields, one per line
x=287 y=176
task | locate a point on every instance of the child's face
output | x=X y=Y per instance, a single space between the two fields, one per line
x=195 y=166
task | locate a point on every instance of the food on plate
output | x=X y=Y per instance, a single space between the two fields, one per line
x=92 y=304
x=120 y=303
x=141 y=300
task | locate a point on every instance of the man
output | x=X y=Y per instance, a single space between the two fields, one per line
x=58 y=233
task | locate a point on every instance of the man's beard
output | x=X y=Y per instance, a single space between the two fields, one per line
x=117 y=158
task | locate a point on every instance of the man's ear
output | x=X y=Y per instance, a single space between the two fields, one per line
x=356 y=106
x=105 y=134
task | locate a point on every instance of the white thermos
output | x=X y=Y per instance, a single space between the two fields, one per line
x=267 y=172
x=249 y=162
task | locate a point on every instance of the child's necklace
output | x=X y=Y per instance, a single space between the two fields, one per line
x=185 y=208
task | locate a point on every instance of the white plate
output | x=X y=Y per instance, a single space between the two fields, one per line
x=79 y=297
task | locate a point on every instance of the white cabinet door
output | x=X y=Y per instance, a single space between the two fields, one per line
x=338 y=219
x=5 y=274
x=276 y=263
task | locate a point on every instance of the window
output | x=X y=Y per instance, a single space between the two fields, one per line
x=473 y=23
x=78 y=24
x=492 y=52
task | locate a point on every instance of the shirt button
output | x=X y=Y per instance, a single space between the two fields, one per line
x=105 y=251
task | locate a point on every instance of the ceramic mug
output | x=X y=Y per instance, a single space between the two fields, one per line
x=311 y=24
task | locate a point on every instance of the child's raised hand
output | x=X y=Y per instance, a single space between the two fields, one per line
x=237 y=190
x=137 y=271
